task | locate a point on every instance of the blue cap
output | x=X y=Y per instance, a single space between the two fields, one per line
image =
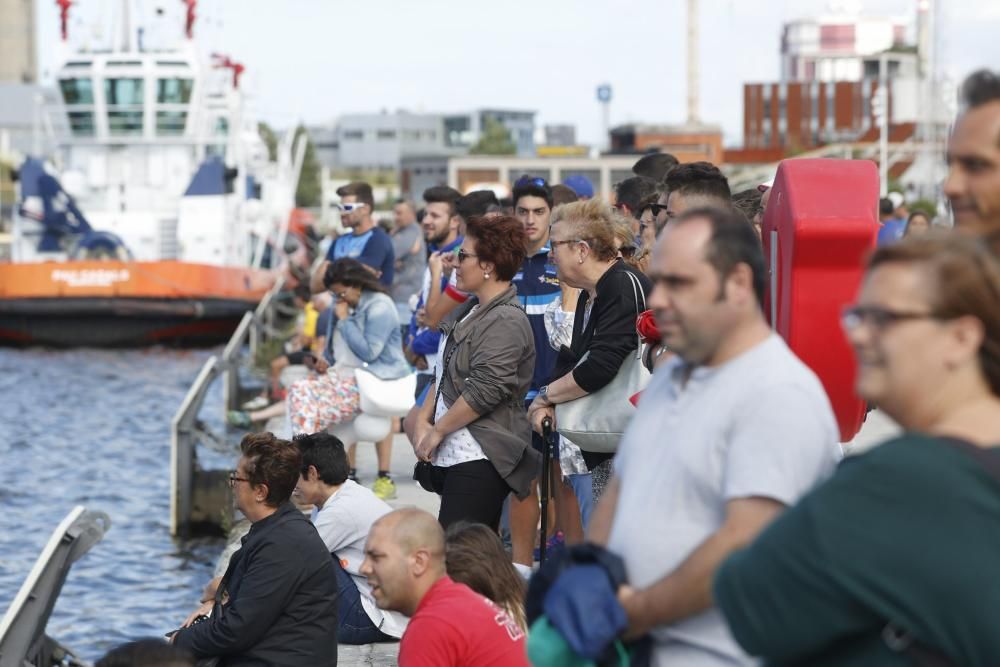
x=580 y=184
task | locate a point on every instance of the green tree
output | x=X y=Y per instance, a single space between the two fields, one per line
x=495 y=140
x=309 y=192
x=270 y=139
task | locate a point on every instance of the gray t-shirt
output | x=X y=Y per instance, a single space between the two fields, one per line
x=343 y=524
x=409 y=266
x=758 y=425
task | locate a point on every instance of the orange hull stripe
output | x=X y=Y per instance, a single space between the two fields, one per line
x=166 y=279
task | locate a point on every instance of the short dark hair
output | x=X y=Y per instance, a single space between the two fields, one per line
x=655 y=166
x=885 y=206
x=500 y=240
x=351 y=273
x=146 y=652
x=476 y=203
x=359 y=189
x=979 y=88
x=699 y=178
x=531 y=186
x=325 y=452
x=634 y=191
x=442 y=194
x=271 y=461
x=733 y=242
x=747 y=202
x=563 y=194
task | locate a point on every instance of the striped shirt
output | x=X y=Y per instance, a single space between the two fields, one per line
x=538 y=286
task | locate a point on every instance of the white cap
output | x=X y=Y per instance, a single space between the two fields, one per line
x=766 y=185
x=897 y=199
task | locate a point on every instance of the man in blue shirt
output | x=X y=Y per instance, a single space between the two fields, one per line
x=366 y=243
x=537 y=286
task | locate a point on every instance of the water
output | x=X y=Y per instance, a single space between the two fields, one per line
x=92 y=428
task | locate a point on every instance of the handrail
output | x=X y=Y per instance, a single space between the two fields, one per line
x=183 y=437
x=188 y=484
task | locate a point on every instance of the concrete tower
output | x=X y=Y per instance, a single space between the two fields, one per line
x=17 y=41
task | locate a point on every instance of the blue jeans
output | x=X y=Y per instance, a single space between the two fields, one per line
x=353 y=624
x=584 y=496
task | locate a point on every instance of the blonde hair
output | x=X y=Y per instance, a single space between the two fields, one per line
x=593 y=221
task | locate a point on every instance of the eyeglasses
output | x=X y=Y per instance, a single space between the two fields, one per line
x=531 y=181
x=556 y=244
x=877 y=317
x=462 y=255
x=348 y=208
x=628 y=251
x=233 y=479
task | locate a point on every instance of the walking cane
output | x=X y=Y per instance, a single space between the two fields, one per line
x=544 y=486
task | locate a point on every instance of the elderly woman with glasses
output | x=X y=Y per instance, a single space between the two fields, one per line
x=586 y=252
x=277 y=602
x=472 y=437
x=892 y=561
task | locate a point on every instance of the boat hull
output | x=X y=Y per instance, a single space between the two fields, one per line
x=124 y=304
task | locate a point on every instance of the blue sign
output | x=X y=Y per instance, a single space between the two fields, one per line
x=604 y=92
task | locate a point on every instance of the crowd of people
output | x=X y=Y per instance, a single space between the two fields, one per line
x=722 y=526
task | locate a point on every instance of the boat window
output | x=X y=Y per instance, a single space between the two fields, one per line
x=78 y=63
x=123 y=92
x=125 y=122
x=77 y=91
x=172 y=63
x=170 y=123
x=174 y=91
x=221 y=126
x=81 y=123
x=124 y=63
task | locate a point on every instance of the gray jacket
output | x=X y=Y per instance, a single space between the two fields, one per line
x=491 y=361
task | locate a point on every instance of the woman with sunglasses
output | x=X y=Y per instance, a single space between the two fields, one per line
x=366 y=334
x=893 y=560
x=585 y=248
x=472 y=437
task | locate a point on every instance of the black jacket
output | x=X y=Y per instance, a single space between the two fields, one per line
x=282 y=607
x=610 y=333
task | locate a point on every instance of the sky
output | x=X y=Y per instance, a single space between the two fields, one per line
x=312 y=60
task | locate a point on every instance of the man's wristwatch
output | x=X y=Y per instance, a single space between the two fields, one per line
x=543 y=394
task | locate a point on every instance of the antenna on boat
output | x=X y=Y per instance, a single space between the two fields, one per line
x=189 y=17
x=64 y=6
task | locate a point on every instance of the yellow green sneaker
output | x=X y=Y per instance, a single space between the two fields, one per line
x=384 y=488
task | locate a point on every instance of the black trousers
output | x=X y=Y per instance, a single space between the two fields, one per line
x=472 y=491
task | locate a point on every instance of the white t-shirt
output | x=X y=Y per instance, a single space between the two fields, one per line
x=343 y=524
x=458 y=446
x=758 y=425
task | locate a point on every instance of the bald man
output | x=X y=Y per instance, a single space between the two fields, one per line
x=451 y=625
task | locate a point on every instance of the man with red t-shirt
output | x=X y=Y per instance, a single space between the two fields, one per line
x=451 y=625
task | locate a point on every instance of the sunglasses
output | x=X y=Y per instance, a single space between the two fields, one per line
x=348 y=208
x=462 y=255
x=531 y=181
x=656 y=209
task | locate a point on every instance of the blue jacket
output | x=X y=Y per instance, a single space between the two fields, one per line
x=372 y=332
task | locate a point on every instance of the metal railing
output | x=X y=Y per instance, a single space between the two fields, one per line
x=199 y=499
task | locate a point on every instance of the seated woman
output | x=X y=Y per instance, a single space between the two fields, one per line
x=344 y=513
x=474 y=556
x=277 y=601
x=366 y=334
x=474 y=431
x=892 y=561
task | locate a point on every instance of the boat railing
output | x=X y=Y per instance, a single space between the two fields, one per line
x=199 y=499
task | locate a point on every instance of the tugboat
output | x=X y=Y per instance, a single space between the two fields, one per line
x=165 y=208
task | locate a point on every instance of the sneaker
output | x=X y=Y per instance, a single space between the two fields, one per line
x=384 y=488
x=238 y=418
x=256 y=403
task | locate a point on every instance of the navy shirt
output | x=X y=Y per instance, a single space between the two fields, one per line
x=373 y=248
x=538 y=286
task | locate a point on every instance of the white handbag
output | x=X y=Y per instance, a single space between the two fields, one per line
x=385 y=398
x=596 y=422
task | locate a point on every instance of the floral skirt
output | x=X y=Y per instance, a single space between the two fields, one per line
x=320 y=401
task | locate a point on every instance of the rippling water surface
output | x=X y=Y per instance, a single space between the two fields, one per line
x=92 y=428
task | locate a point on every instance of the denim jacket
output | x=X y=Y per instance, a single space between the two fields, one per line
x=373 y=334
